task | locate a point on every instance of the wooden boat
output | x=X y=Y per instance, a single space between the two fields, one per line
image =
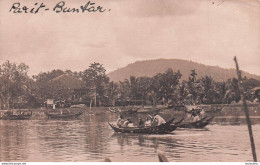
x=11 y=115
x=199 y=108
x=175 y=125
x=149 y=110
x=197 y=124
x=113 y=109
x=161 y=129
x=63 y=115
x=130 y=110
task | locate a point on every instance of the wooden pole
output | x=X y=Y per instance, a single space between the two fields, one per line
x=246 y=111
x=162 y=157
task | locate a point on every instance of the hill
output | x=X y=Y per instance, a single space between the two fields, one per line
x=151 y=67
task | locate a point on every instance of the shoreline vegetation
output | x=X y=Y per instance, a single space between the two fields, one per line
x=93 y=87
x=229 y=115
x=228 y=110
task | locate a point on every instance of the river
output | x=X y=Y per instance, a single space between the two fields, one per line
x=90 y=138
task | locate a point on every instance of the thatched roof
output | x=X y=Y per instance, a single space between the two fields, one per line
x=69 y=82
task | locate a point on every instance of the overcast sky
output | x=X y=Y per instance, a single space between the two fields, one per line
x=211 y=32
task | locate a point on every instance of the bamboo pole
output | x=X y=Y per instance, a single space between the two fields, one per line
x=246 y=111
x=162 y=157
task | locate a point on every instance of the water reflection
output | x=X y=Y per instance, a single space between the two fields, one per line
x=13 y=134
x=91 y=139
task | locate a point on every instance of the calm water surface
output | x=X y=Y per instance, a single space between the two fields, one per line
x=91 y=139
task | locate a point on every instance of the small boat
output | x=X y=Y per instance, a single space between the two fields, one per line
x=161 y=129
x=175 y=125
x=199 y=108
x=16 y=115
x=131 y=110
x=113 y=109
x=63 y=114
x=79 y=106
x=149 y=110
x=197 y=124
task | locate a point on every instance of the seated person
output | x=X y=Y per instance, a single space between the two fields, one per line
x=148 y=122
x=127 y=123
x=131 y=124
x=193 y=112
x=120 y=121
x=141 y=123
x=195 y=115
x=158 y=120
x=196 y=118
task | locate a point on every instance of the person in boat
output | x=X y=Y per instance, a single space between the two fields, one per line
x=127 y=123
x=148 y=122
x=141 y=122
x=195 y=115
x=131 y=124
x=158 y=120
x=193 y=112
x=120 y=121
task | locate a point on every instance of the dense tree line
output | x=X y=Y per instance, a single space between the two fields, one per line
x=163 y=88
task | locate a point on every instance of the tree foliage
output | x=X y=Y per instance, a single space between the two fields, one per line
x=96 y=80
x=13 y=82
x=162 y=88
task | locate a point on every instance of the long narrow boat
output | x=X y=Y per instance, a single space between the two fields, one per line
x=197 y=124
x=175 y=125
x=131 y=110
x=113 y=109
x=10 y=115
x=161 y=129
x=56 y=115
x=151 y=109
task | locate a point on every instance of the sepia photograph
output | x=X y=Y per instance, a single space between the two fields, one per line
x=129 y=81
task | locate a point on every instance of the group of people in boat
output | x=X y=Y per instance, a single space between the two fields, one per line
x=196 y=114
x=154 y=120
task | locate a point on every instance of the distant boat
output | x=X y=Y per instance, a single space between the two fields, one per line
x=200 y=108
x=79 y=106
x=161 y=129
x=149 y=109
x=63 y=114
x=128 y=110
x=197 y=124
x=114 y=110
x=16 y=115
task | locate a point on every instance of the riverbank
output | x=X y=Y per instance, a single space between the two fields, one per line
x=227 y=109
x=230 y=113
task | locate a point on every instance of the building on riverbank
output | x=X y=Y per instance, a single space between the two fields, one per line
x=72 y=86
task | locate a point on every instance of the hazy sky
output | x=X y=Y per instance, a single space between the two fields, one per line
x=211 y=32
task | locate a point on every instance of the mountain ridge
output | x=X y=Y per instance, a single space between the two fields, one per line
x=149 y=68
